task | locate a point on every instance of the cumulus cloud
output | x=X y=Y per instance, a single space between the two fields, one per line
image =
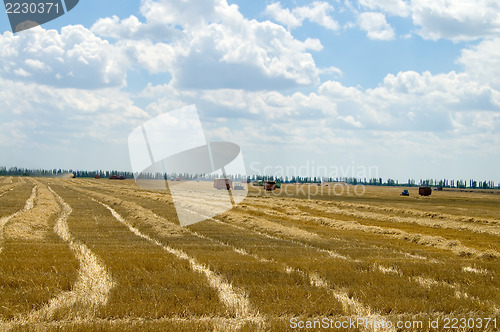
x=318 y=12
x=482 y=62
x=410 y=114
x=376 y=26
x=73 y=58
x=132 y=28
x=456 y=19
x=253 y=55
x=414 y=101
x=211 y=45
x=408 y=101
x=283 y=15
x=53 y=114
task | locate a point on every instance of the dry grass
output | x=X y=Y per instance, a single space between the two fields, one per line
x=274 y=257
x=152 y=201
x=220 y=256
x=92 y=287
x=35 y=265
x=234 y=299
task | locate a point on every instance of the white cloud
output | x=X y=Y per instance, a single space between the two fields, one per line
x=482 y=62
x=456 y=19
x=183 y=13
x=392 y=7
x=132 y=28
x=73 y=58
x=13 y=132
x=317 y=12
x=215 y=47
x=375 y=26
x=410 y=116
x=283 y=15
x=39 y=113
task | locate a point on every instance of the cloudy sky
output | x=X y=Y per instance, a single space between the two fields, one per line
x=409 y=87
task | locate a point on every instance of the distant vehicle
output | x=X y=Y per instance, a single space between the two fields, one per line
x=239 y=186
x=223 y=183
x=405 y=193
x=424 y=191
x=117 y=177
x=270 y=185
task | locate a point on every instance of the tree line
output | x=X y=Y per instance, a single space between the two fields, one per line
x=444 y=183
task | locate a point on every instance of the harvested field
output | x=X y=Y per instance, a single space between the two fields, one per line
x=85 y=254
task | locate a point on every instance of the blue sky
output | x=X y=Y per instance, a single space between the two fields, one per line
x=408 y=87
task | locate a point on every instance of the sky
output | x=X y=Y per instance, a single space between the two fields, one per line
x=369 y=88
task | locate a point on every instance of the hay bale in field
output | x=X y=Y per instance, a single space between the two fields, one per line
x=424 y=191
x=223 y=183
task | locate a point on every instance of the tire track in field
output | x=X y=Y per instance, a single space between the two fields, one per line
x=93 y=285
x=234 y=299
x=349 y=304
x=30 y=202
